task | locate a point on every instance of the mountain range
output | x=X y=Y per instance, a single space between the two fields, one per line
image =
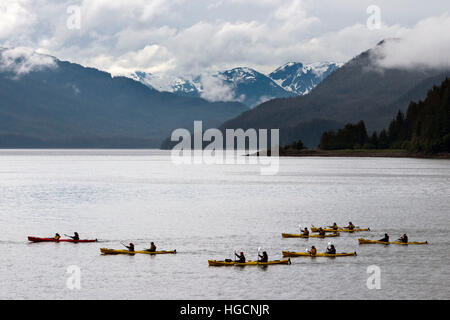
x=244 y=84
x=359 y=90
x=45 y=102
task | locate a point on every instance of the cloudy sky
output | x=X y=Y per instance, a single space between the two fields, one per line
x=191 y=36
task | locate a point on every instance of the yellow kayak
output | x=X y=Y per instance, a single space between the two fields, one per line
x=398 y=242
x=219 y=263
x=307 y=254
x=340 y=229
x=290 y=235
x=112 y=251
x=365 y=241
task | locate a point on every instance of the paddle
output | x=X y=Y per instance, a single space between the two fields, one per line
x=259 y=249
x=124 y=245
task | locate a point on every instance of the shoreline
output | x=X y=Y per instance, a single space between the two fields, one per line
x=359 y=153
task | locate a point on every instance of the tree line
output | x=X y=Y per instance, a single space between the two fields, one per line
x=424 y=128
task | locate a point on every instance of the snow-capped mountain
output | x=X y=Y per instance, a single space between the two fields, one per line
x=300 y=79
x=181 y=86
x=251 y=87
x=244 y=84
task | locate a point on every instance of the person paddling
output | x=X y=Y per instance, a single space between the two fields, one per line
x=264 y=257
x=57 y=237
x=313 y=251
x=152 y=247
x=350 y=226
x=334 y=226
x=385 y=239
x=241 y=257
x=321 y=232
x=75 y=236
x=404 y=238
x=130 y=247
x=306 y=232
x=331 y=249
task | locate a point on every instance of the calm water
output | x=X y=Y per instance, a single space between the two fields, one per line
x=208 y=211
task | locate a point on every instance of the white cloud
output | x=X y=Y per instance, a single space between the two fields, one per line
x=214 y=89
x=15 y=17
x=426 y=45
x=190 y=37
x=23 y=60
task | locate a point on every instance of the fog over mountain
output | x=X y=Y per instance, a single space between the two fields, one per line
x=244 y=84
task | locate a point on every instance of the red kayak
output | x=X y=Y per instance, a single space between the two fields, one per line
x=34 y=239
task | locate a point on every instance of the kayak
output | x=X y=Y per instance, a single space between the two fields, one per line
x=218 y=263
x=290 y=235
x=365 y=241
x=35 y=239
x=112 y=251
x=340 y=230
x=307 y=254
x=398 y=242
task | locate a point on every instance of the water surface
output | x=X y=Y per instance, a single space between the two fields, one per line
x=208 y=212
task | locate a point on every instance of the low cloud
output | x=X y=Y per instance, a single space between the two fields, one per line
x=426 y=45
x=214 y=89
x=23 y=60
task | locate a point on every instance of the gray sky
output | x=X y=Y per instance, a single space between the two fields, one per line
x=188 y=37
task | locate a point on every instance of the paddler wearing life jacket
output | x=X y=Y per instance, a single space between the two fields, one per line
x=321 y=231
x=264 y=257
x=350 y=226
x=241 y=257
x=334 y=226
x=57 y=236
x=385 y=239
x=404 y=238
x=75 y=236
x=306 y=232
x=331 y=249
x=313 y=251
x=152 y=247
x=130 y=247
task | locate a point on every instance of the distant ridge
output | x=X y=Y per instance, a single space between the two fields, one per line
x=359 y=90
x=48 y=103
